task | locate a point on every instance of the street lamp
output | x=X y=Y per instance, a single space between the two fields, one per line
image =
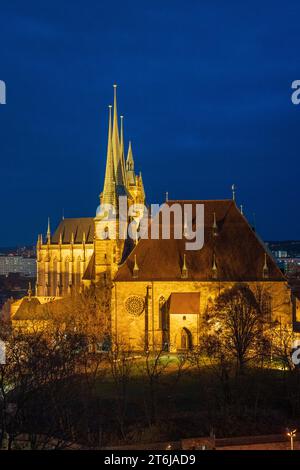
x=292 y=435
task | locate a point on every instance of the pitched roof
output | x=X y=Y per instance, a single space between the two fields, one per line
x=78 y=227
x=239 y=253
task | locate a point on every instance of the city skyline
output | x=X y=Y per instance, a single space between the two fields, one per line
x=204 y=105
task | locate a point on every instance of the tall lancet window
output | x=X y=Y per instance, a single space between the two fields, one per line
x=66 y=273
x=266 y=306
x=78 y=272
x=54 y=277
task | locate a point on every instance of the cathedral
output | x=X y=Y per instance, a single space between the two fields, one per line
x=160 y=291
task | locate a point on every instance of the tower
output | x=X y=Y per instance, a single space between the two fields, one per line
x=109 y=220
x=135 y=184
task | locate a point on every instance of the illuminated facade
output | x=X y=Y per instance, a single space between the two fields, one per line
x=160 y=291
x=74 y=255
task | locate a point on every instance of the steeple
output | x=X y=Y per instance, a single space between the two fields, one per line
x=130 y=166
x=118 y=167
x=122 y=152
x=129 y=161
x=109 y=189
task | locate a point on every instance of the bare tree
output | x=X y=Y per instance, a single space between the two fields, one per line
x=236 y=325
x=153 y=366
x=121 y=365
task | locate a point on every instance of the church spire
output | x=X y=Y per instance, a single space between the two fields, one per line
x=129 y=161
x=122 y=152
x=119 y=176
x=130 y=166
x=108 y=195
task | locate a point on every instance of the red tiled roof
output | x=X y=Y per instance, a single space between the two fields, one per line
x=239 y=253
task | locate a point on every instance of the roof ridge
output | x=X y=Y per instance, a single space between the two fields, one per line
x=203 y=200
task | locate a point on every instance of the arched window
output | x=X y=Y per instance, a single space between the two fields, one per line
x=40 y=276
x=266 y=306
x=66 y=273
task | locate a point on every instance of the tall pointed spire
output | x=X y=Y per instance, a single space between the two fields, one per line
x=119 y=177
x=109 y=193
x=129 y=161
x=122 y=152
x=130 y=166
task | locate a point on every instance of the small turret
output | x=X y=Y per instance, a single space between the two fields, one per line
x=265 y=268
x=48 y=232
x=184 y=270
x=29 y=292
x=215 y=226
x=130 y=166
x=122 y=152
x=214 y=268
x=136 y=269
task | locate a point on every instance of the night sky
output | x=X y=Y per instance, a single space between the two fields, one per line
x=204 y=86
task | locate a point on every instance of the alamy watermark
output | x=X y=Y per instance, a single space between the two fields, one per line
x=2 y=92
x=295 y=96
x=296 y=352
x=166 y=221
x=2 y=352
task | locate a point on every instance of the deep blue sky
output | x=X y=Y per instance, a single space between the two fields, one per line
x=204 y=87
